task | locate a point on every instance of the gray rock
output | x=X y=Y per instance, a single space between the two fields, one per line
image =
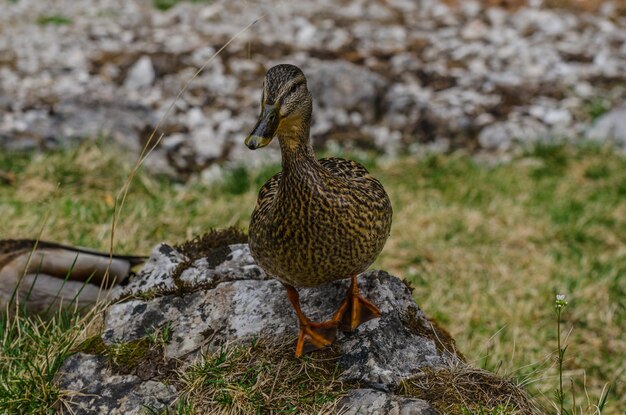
x=237 y=303
x=376 y=84
x=225 y=298
x=72 y=120
x=340 y=85
x=373 y=402
x=77 y=119
x=610 y=127
x=504 y=136
x=94 y=389
x=474 y=30
x=140 y=75
x=156 y=274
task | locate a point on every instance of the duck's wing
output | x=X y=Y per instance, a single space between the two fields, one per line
x=348 y=169
x=26 y=256
x=266 y=196
x=362 y=182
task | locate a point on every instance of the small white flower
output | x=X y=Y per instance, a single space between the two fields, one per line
x=560 y=297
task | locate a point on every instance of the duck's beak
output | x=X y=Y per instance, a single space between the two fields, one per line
x=264 y=129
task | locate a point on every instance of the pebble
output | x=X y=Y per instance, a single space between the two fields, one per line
x=141 y=74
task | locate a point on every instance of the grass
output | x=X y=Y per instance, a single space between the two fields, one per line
x=464 y=390
x=262 y=378
x=31 y=352
x=486 y=249
x=54 y=19
x=168 y=4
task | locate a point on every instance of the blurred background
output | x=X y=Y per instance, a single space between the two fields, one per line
x=497 y=127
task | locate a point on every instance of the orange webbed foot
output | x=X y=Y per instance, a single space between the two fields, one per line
x=312 y=336
x=315 y=336
x=355 y=309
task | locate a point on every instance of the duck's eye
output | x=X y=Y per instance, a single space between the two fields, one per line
x=294 y=88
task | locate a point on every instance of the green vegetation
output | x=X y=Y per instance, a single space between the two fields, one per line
x=262 y=378
x=487 y=249
x=597 y=107
x=168 y=4
x=54 y=19
x=31 y=352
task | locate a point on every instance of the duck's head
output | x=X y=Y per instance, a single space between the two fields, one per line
x=286 y=107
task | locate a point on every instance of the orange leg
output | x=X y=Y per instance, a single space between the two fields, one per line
x=355 y=309
x=316 y=335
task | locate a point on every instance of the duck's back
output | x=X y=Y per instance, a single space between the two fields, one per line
x=329 y=227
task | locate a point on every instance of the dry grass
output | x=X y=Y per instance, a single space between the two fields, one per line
x=31 y=352
x=89 y=178
x=262 y=378
x=486 y=248
x=461 y=390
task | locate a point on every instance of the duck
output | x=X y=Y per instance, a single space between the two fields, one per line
x=41 y=276
x=315 y=221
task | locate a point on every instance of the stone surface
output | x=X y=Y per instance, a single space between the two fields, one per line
x=224 y=298
x=238 y=303
x=610 y=128
x=140 y=75
x=373 y=402
x=388 y=76
x=95 y=389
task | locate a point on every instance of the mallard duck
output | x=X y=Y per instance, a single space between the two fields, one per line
x=316 y=221
x=41 y=275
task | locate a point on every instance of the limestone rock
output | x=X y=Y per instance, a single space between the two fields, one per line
x=225 y=298
x=388 y=76
x=610 y=127
x=346 y=87
x=140 y=75
x=373 y=402
x=504 y=136
x=238 y=303
x=98 y=390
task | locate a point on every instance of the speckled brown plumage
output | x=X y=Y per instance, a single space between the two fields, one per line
x=317 y=220
x=323 y=221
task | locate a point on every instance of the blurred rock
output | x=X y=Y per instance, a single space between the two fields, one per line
x=140 y=75
x=503 y=136
x=386 y=76
x=340 y=87
x=610 y=128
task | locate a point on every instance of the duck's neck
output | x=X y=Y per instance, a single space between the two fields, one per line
x=298 y=156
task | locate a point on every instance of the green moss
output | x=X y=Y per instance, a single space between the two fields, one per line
x=203 y=245
x=212 y=245
x=597 y=107
x=479 y=410
x=92 y=345
x=168 y=4
x=597 y=171
x=237 y=181
x=125 y=357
